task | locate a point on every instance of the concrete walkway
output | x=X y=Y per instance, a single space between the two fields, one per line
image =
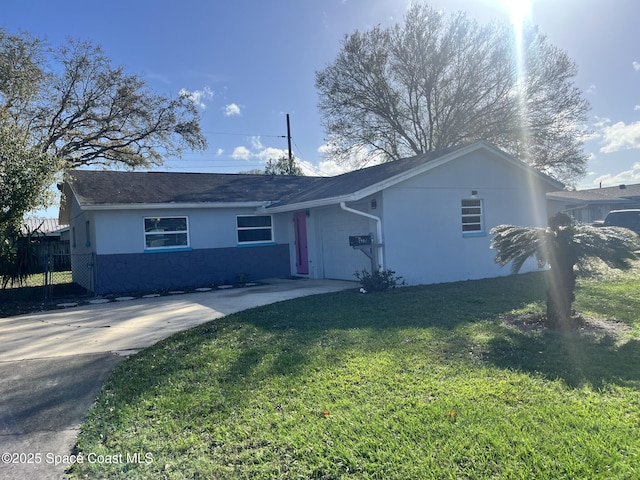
x=53 y=364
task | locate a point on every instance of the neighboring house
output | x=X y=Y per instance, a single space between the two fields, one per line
x=429 y=217
x=45 y=227
x=49 y=238
x=592 y=205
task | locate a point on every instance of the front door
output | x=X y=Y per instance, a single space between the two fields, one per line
x=302 y=256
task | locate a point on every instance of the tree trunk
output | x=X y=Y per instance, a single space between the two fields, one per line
x=561 y=282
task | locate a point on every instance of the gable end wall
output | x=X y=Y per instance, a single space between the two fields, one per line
x=422 y=218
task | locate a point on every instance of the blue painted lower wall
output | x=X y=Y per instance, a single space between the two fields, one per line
x=196 y=268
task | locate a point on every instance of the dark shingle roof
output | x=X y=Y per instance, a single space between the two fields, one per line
x=119 y=188
x=354 y=181
x=93 y=187
x=618 y=194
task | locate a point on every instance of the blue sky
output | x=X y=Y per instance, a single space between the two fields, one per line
x=250 y=62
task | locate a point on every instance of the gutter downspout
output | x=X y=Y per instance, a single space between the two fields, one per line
x=378 y=221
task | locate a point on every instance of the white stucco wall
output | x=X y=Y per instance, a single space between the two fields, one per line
x=122 y=231
x=82 y=236
x=330 y=255
x=424 y=241
x=79 y=241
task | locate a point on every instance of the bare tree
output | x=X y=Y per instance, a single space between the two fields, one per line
x=82 y=109
x=437 y=82
x=67 y=107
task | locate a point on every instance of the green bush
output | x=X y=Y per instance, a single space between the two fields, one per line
x=378 y=281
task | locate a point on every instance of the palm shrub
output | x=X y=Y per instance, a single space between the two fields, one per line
x=563 y=245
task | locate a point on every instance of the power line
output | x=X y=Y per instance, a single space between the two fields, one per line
x=245 y=134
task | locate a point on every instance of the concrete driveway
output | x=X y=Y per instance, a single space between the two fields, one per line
x=53 y=364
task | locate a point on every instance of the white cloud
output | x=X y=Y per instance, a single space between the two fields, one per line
x=271 y=153
x=241 y=153
x=636 y=108
x=258 y=151
x=198 y=96
x=601 y=121
x=621 y=136
x=232 y=109
x=256 y=144
x=636 y=66
x=261 y=154
x=331 y=168
x=625 y=177
x=307 y=168
x=592 y=89
x=341 y=162
x=219 y=152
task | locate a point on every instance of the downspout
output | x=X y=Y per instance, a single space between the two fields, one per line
x=378 y=221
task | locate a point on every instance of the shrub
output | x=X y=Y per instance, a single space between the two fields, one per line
x=378 y=281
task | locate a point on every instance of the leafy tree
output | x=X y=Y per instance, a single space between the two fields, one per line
x=73 y=104
x=69 y=106
x=25 y=175
x=282 y=166
x=438 y=82
x=563 y=245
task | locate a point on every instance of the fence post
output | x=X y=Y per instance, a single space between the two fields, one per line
x=47 y=267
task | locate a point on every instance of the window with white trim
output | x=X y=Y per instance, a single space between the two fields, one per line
x=166 y=232
x=254 y=229
x=472 y=216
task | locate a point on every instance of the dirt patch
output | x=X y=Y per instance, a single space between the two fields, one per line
x=537 y=322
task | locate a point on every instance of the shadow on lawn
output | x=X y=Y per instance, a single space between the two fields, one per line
x=576 y=358
x=288 y=334
x=283 y=339
x=349 y=322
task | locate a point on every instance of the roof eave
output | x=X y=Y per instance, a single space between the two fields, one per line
x=425 y=167
x=323 y=202
x=168 y=206
x=592 y=201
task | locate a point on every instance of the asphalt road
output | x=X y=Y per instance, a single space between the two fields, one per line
x=43 y=403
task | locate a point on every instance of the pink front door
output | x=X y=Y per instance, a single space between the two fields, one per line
x=302 y=256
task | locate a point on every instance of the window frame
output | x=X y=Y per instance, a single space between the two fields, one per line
x=166 y=248
x=472 y=211
x=261 y=227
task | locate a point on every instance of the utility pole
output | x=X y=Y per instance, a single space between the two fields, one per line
x=289 y=140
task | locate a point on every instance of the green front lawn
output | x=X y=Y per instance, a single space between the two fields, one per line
x=415 y=383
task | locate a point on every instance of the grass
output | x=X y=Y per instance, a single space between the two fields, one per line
x=611 y=294
x=420 y=382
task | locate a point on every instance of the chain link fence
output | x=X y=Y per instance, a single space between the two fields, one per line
x=67 y=275
x=52 y=276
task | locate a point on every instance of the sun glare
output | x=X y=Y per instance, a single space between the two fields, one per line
x=519 y=10
x=520 y=14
